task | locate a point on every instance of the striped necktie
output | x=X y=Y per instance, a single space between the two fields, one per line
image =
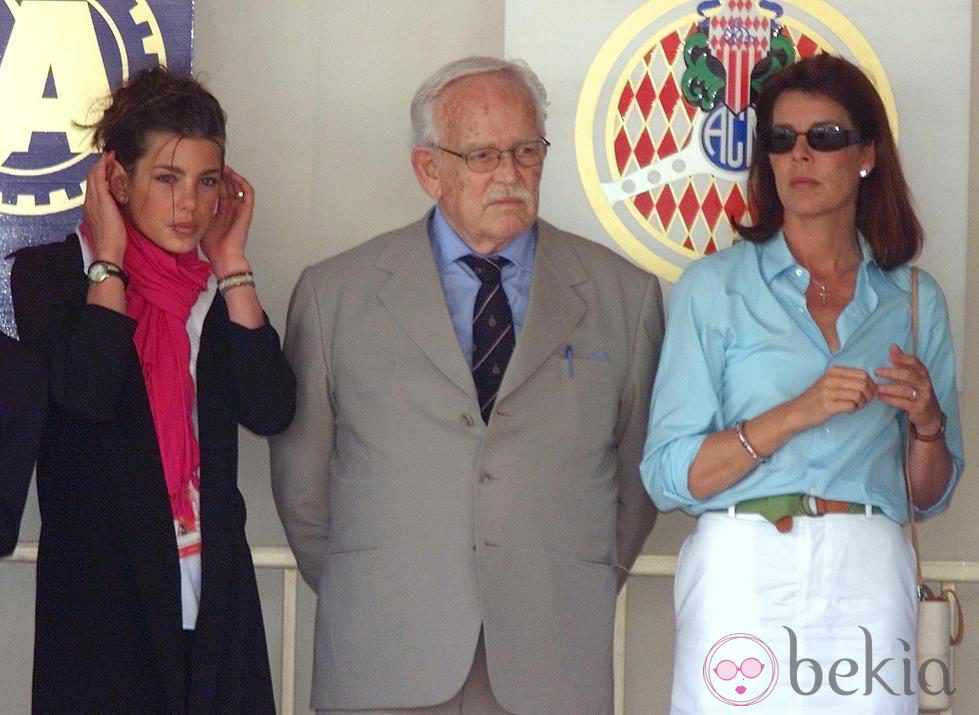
x=493 y=339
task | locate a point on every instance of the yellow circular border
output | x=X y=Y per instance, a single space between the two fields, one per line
x=153 y=44
x=605 y=61
x=627 y=69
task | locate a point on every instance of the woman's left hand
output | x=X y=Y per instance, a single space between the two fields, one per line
x=224 y=242
x=910 y=389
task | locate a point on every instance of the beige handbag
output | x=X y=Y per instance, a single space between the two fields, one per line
x=940 y=624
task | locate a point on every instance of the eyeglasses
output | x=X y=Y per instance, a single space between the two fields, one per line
x=823 y=137
x=749 y=668
x=485 y=160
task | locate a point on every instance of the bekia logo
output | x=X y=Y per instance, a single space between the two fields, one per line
x=740 y=669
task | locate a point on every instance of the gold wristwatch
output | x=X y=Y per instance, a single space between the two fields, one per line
x=99 y=271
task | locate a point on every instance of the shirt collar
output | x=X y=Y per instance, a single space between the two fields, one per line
x=775 y=256
x=448 y=248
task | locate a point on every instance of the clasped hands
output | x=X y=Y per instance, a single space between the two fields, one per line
x=906 y=386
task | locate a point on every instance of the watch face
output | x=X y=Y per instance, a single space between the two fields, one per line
x=98 y=272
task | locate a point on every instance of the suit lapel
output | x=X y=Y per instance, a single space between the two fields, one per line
x=555 y=308
x=414 y=297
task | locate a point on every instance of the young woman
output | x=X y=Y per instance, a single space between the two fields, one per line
x=146 y=592
x=782 y=426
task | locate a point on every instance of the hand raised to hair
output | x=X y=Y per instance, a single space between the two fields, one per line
x=910 y=389
x=839 y=389
x=102 y=213
x=224 y=241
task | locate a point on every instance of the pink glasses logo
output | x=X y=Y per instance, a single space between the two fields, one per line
x=740 y=670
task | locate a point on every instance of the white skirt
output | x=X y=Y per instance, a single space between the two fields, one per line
x=818 y=620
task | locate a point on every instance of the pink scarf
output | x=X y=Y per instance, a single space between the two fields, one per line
x=163 y=288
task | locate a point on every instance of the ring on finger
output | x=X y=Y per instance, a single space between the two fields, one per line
x=240 y=195
x=914 y=394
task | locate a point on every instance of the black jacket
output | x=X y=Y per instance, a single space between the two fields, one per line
x=23 y=391
x=108 y=635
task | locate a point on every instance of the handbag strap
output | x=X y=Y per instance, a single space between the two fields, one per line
x=957 y=617
x=922 y=588
x=924 y=593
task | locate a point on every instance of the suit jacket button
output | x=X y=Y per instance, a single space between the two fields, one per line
x=484 y=477
x=467 y=420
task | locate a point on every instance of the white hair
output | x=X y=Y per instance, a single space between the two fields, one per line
x=423 y=105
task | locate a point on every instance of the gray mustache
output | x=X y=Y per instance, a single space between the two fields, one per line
x=513 y=193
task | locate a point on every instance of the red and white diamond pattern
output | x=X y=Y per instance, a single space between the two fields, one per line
x=738 y=37
x=653 y=122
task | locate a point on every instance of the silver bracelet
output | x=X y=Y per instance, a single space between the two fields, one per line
x=739 y=430
x=235 y=280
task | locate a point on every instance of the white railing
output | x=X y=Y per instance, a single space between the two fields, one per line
x=949 y=573
x=280 y=557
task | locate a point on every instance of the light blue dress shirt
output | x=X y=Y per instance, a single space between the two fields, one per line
x=460 y=284
x=740 y=340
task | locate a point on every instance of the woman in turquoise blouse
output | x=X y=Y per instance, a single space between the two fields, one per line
x=788 y=381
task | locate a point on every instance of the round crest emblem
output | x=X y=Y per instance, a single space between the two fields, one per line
x=665 y=119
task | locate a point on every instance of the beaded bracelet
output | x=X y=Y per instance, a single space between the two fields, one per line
x=739 y=430
x=234 y=280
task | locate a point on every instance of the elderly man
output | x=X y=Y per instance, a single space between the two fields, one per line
x=460 y=484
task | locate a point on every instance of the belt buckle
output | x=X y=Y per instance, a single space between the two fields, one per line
x=816 y=506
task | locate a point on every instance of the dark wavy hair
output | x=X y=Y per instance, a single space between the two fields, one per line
x=884 y=212
x=157 y=100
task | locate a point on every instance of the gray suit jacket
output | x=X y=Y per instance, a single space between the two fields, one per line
x=417 y=524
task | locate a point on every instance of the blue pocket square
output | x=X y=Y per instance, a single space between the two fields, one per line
x=600 y=356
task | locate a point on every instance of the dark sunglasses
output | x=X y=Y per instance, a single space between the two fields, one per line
x=824 y=137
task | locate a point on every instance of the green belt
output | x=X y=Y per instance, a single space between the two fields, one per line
x=778 y=507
